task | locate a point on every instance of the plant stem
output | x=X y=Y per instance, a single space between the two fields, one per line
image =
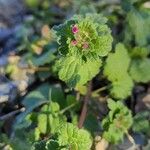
x=84 y=108
x=67 y=108
x=96 y=92
x=36 y=68
x=100 y=89
x=4 y=117
x=130 y=138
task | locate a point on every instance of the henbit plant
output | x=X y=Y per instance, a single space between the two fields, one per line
x=85 y=52
x=117 y=123
x=83 y=42
x=67 y=137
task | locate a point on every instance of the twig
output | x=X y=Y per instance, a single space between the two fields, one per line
x=84 y=108
x=4 y=117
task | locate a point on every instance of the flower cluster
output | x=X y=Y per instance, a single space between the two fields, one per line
x=84 y=34
x=78 y=41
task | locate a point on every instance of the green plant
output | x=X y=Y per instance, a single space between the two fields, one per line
x=67 y=137
x=117 y=123
x=73 y=67
x=86 y=40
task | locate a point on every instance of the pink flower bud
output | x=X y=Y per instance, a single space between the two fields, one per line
x=85 y=45
x=75 y=29
x=74 y=42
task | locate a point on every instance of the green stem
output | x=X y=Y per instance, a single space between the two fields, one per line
x=100 y=89
x=95 y=93
x=67 y=108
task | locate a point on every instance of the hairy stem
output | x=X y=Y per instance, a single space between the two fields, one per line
x=84 y=108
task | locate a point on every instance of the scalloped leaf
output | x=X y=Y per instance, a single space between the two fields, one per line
x=117 y=63
x=122 y=88
x=140 y=71
x=118 y=121
x=52 y=145
x=139 y=24
x=140 y=52
x=63 y=32
x=74 y=138
x=141 y=122
x=116 y=70
x=92 y=30
x=39 y=145
x=48 y=118
x=76 y=71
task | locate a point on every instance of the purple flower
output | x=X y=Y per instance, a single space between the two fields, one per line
x=75 y=29
x=85 y=45
x=74 y=42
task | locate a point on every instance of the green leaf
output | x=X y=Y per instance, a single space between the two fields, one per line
x=139 y=24
x=91 y=26
x=40 y=145
x=116 y=70
x=141 y=122
x=113 y=135
x=63 y=32
x=100 y=39
x=33 y=100
x=52 y=145
x=140 y=52
x=39 y=96
x=76 y=71
x=44 y=58
x=57 y=95
x=117 y=63
x=140 y=71
x=32 y=3
x=122 y=88
x=92 y=124
x=70 y=136
x=48 y=119
x=117 y=122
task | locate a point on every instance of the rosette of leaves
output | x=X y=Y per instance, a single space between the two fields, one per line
x=67 y=137
x=82 y=40
x=49 y=118
x=116 y=70
x=117 y=123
